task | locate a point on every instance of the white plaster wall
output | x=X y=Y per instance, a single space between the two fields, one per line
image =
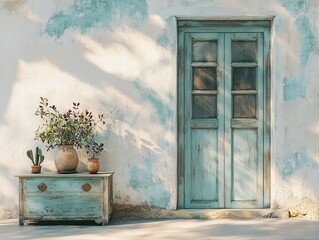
x=125 y=59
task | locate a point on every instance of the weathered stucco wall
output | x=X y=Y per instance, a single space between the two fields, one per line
x=122 y=55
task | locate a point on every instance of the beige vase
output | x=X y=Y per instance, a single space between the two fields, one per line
x=66 y=160
x=93 y=165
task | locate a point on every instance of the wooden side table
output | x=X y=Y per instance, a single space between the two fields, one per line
x=52 y=196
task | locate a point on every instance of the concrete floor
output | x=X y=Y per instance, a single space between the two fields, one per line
x=223 y=229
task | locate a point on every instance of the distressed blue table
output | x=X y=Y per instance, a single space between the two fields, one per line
x=52 y=196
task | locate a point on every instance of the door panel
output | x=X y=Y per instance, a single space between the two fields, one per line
x=244 y=165
x=204 y=122
x=244 y=116
x=204 y=171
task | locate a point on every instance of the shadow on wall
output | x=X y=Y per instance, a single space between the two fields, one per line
x=5 y=87
x=141 y=143
x=8 y=192
x=143 y=167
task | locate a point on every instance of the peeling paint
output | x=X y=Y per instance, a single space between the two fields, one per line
x=168 y=38
x=152 y=187
x=296 y=6
x=297 y=161
x=309 y=39
x=293 y=89
x=84 y=15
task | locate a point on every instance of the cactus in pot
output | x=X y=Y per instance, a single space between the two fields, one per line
x=37 y=159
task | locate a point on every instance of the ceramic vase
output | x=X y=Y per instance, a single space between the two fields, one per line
x=66 y=160
x=93 y=165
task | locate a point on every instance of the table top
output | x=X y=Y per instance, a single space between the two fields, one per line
x=65 y=175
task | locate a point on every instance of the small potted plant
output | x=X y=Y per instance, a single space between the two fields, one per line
x=93 y=149
x=36 y=160
x=64 y=131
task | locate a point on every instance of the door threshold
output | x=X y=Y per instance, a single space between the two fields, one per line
x=232 y=213
x=148 y=212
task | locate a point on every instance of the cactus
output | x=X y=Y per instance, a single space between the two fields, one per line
x=38 y=158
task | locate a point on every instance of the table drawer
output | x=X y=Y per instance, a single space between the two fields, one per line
x=67 y=207
x=66 y=185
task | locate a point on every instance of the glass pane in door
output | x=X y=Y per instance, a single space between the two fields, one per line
x=244 y=106
x=204 y=106
x=244 y=78
x=204 y=51
x=244 y=51
x=204 y=78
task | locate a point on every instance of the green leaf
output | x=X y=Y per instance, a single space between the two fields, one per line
x=30 y=155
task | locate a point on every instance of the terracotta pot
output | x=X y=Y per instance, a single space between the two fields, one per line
x=66 y=160
x=93 y=165
x=35 y=169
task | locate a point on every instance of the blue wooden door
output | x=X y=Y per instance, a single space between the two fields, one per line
x=224 y=126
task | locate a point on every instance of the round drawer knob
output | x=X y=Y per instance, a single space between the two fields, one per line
x=42 y=187
x=86 y=187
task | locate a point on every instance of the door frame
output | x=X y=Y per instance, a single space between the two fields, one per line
x=183 y=26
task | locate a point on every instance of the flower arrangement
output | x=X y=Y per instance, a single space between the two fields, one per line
x=73 y=127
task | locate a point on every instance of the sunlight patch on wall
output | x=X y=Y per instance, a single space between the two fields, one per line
x=133 y=57
x=35 y=80
x=20 y=7
x=316 y=129
x=156 y=20
x=48 y=80
x=12 y=5
x=114 y=58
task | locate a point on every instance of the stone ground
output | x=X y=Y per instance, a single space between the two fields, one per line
x=223 y=229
